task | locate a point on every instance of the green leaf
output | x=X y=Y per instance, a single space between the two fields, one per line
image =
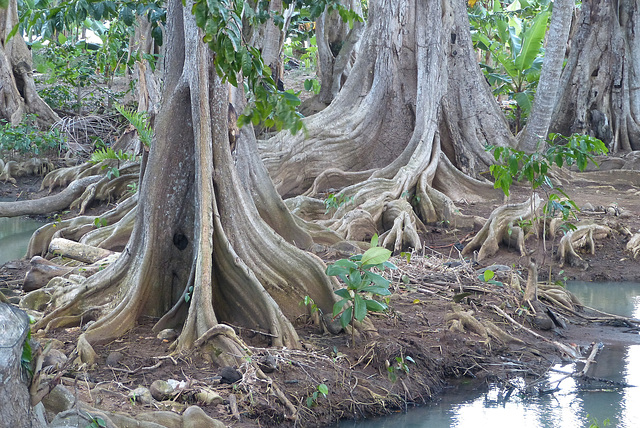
x=488 y=274
x=380 y=291
x=458 y=297
x=532 y=42
x=338 y=306
x=360 y=307
x=345 y=318
x=375 y=306
x=374 y=240
x=333 y=270
x=323 y=389
x=344 y=293
x=376 y=279
x=375 y=256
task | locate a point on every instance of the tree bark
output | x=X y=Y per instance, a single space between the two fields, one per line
x=535 y=132
x=199 y=253
x=18 y=95
x=599 y=93
x=16 y=410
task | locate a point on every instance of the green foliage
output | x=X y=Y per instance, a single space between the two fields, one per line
x=333 y=202
x=321 y=389
x=107 y=153
x=309 y=302
x=511 y=39
x=362 y=284
x=99 y=222
x=140 y=121
x=400 y=365
x=26 y=361
x=593 y=422
x=96 y=422
x=26 y=138
x=487 y=276
x=534 y=168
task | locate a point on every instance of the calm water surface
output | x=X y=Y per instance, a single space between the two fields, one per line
x=14 y=237
x=573 y=406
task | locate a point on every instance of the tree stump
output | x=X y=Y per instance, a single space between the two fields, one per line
x=15 y=405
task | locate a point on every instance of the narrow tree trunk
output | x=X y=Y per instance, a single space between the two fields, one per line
x=535 y=133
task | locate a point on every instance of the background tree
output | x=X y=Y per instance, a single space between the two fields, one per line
x=598 y=89
x=19 y=95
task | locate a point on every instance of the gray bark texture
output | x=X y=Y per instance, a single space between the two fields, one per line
x=18 y=94
x=16 y=410
x=600 y=85
x=546 y=94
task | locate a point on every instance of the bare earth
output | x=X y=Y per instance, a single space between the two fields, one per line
x=413 y=339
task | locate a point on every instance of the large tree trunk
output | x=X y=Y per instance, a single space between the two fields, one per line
x=414 y=114
x=199 y=254
x=18 y=94
x=599 y=89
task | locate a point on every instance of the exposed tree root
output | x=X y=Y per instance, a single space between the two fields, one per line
x=633 y=246
x=401 y=225
x=47 y=204
x=501 y=228
x=463 y=321
x=583 y=236
x=113 y=236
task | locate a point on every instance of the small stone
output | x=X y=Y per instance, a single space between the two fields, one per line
x=55 y=358
x=588 y=207
x=168 y=334
x=229 y=375
x=59 y=400
x=208 y=396
x=141 y=395
x=160 y=390
x=113 y=359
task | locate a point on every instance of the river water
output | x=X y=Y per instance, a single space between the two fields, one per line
x=577 y=404
x=14 y=237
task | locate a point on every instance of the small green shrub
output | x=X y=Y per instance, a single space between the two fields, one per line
x=25 y=138
x=362 y=284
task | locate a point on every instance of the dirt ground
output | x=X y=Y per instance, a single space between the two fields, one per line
x=410 y=358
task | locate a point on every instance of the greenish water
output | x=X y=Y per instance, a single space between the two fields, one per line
x=15 y=233
x=574 y=405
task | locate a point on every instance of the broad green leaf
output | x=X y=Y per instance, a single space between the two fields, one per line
x=354 y=281
x=532 y=42
x=346 y=263
x=345 y=318
x=343 y=292
x=360 y=307
x=333 y=270
x=376 y=279
x=374 y=240
x=323 y=389
x=338 y=306
x=375 y=306
x=375 y=256
x=488 y=274
x=523 y=100
x=380 y=291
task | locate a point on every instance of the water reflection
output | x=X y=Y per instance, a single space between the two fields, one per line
x=14 y=237
x=575 y=405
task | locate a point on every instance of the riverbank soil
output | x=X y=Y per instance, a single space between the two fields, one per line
x=428 y=338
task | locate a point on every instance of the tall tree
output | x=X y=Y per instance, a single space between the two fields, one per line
x=599 y=85
x=19 y=95
x=199 y=254
x=412 y=120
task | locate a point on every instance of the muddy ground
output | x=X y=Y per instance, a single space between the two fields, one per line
x=410 y=358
